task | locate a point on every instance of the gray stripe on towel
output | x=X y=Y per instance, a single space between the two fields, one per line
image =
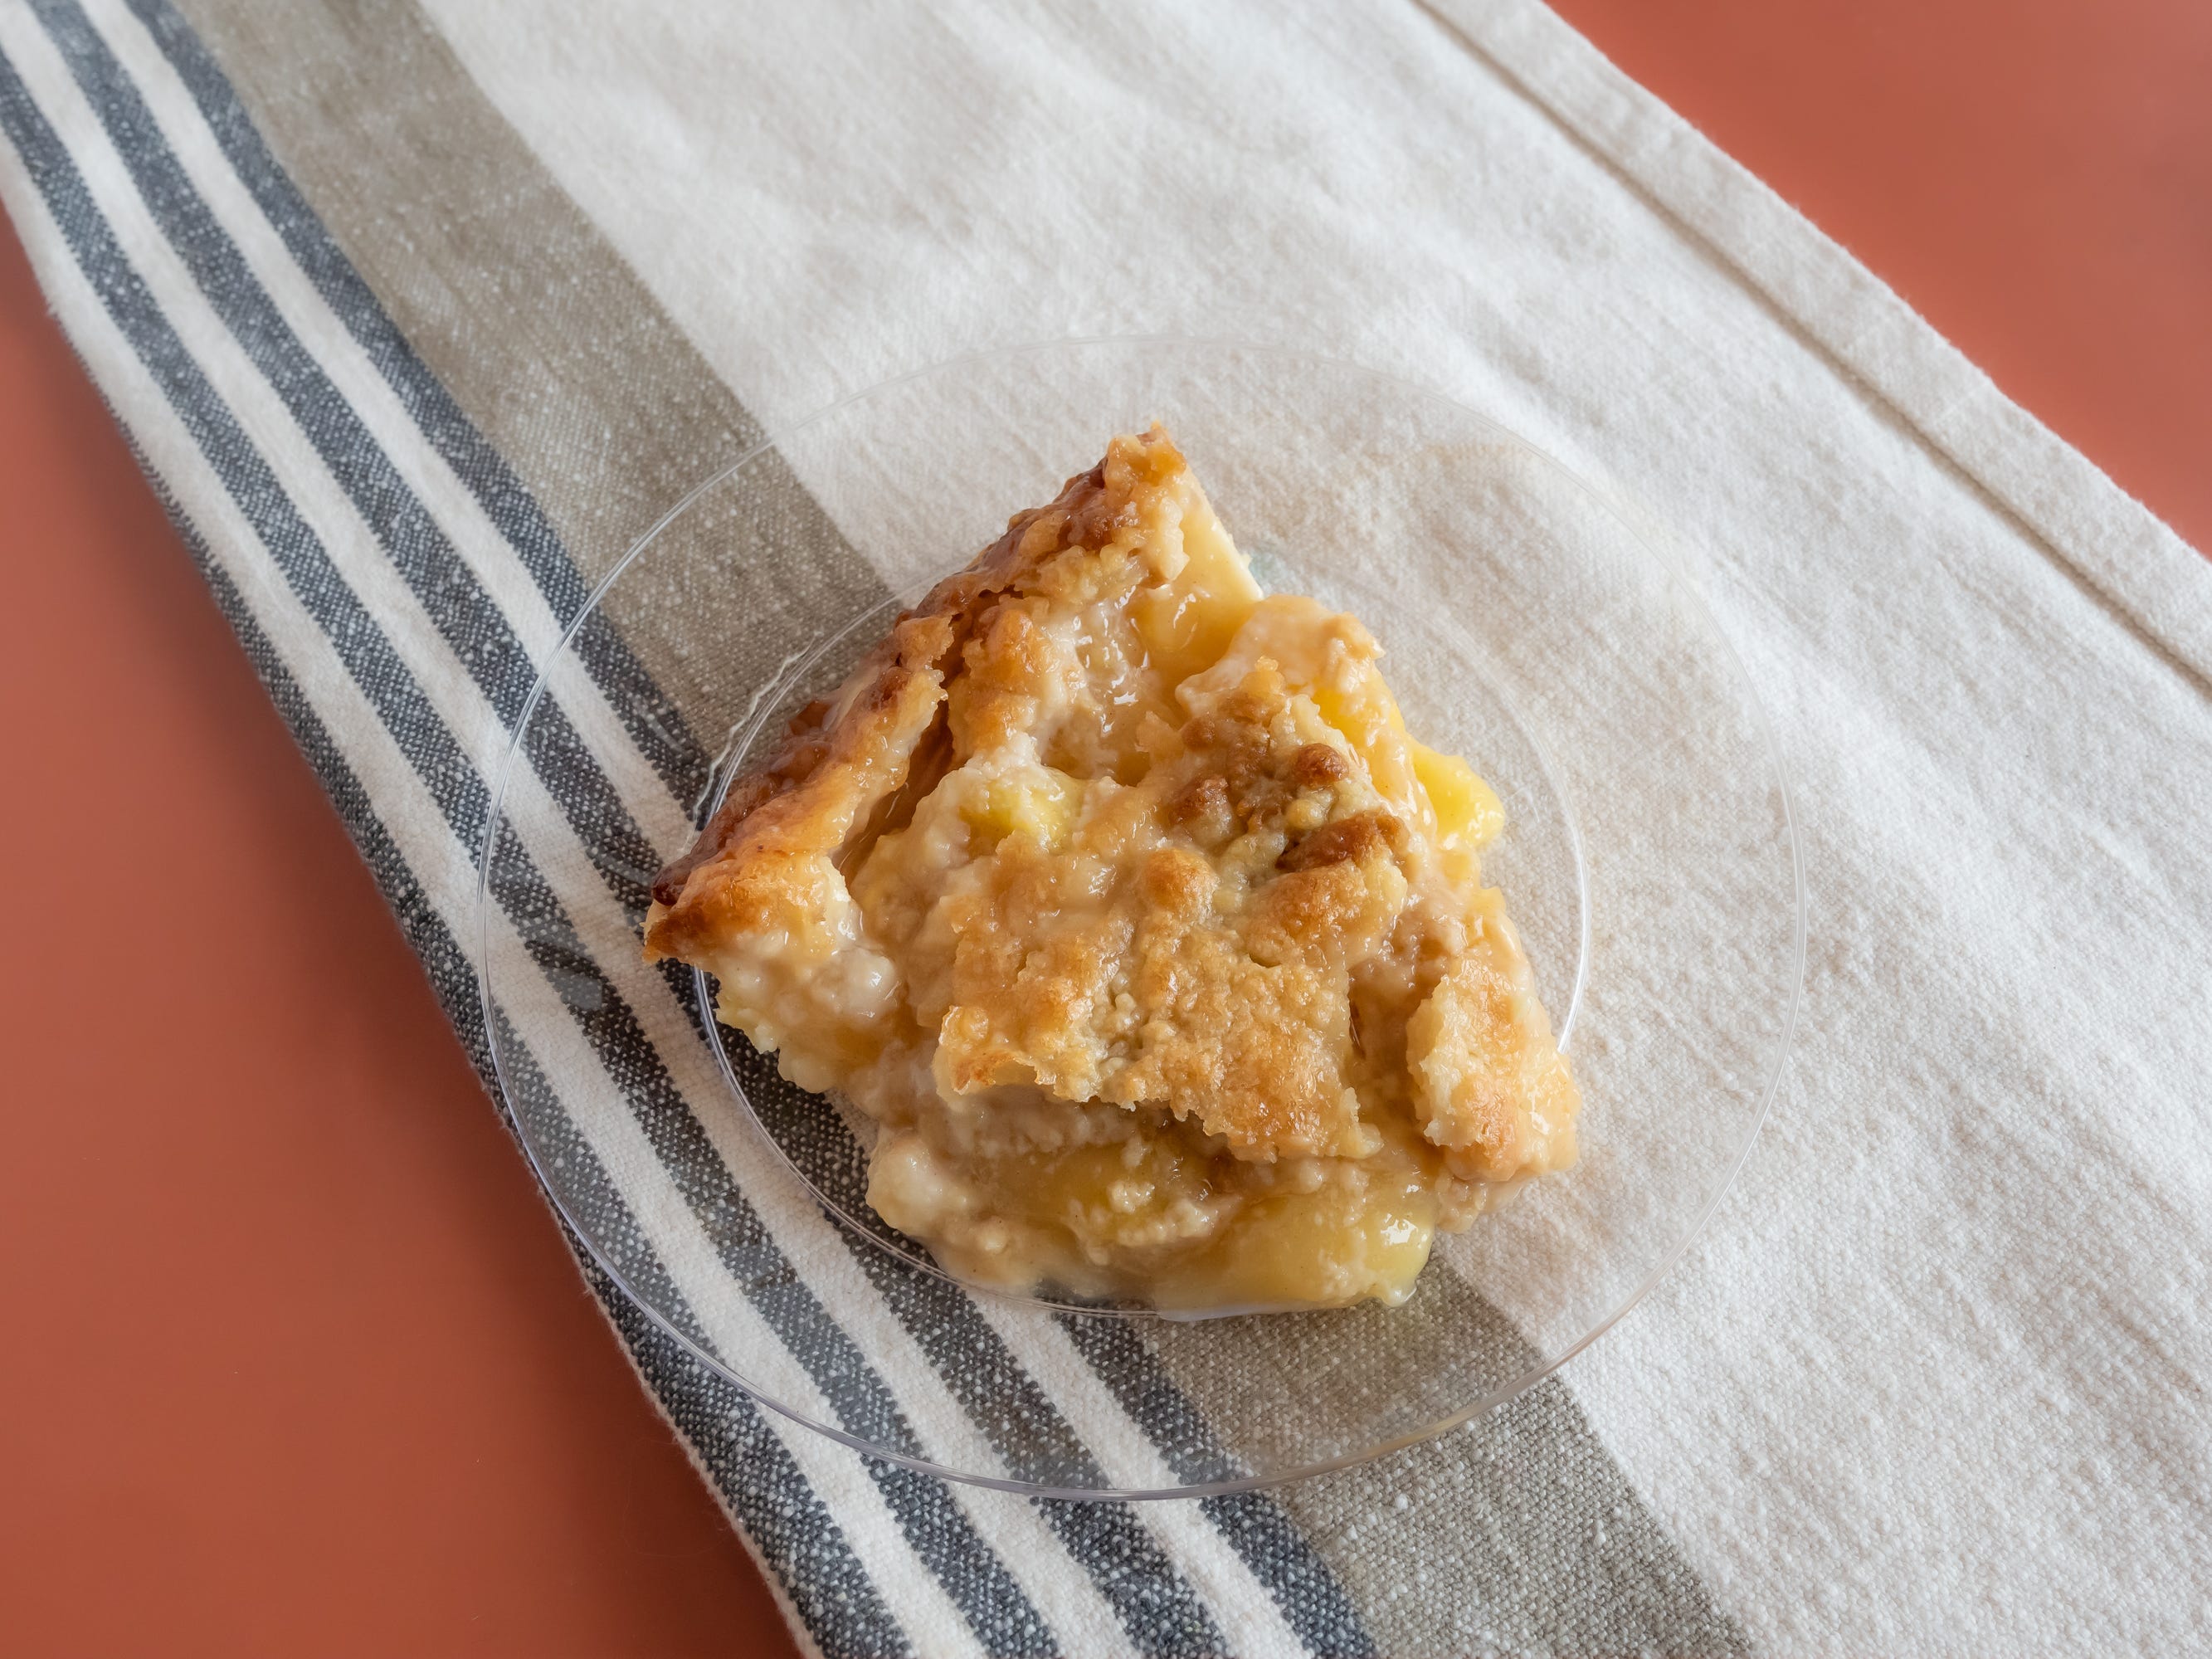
x=1516 y=1533
x=543 y=338
x=794 y=1532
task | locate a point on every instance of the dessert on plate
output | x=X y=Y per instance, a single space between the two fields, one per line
x=1148 y=943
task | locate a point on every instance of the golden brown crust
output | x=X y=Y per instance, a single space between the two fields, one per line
x=1360 y=836
x=1106 y=970
x=844 y=756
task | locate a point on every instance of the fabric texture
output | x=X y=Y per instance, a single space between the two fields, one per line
x=419 y=311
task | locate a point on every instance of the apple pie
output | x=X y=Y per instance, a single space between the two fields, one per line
x=1150 y=947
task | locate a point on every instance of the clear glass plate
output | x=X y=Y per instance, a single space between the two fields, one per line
x=1649 y=857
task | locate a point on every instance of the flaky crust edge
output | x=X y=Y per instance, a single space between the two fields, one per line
x=845 y=756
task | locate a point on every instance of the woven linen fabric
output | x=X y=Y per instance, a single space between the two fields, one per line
x=419 y=311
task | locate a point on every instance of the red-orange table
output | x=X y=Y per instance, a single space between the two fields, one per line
x=296 y=1361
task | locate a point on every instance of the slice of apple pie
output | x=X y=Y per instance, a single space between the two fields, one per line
x=1153 y=949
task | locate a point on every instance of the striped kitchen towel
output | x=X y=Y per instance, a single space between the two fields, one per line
x=419 y=311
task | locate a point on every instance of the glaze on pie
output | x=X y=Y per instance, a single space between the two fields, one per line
x=1119 y=899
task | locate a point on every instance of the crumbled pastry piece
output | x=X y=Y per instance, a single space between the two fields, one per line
x=1118 y=898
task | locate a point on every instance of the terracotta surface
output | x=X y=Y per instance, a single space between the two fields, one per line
x=296 y=1361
